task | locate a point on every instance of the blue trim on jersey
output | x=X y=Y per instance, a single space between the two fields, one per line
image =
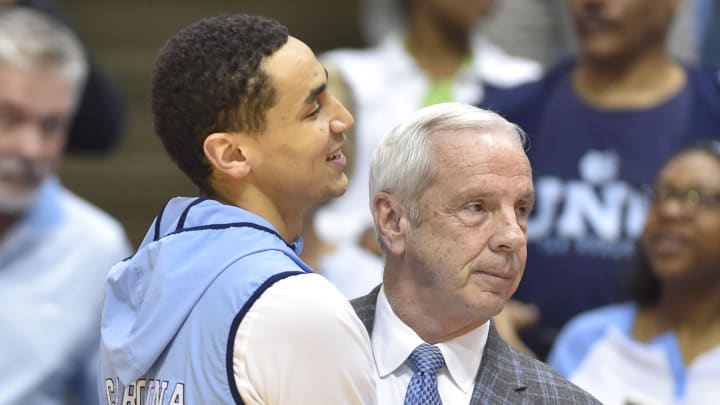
x=584 y=331
x=236 y=324
x=217 y=227
x=183 y=216
x=671 y=347
x=156 y=236
x=180 y=228
x=588 y=329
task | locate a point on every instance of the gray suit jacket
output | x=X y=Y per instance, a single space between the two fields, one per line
x=506 y=376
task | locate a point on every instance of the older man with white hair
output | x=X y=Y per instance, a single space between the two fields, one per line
x=451 y=191
x=55 y=248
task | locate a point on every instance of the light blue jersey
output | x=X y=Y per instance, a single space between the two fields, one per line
x=172 y=309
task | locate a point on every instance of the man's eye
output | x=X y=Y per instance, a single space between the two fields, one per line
x=524 y=211
x=315 y=111
x=474 y=207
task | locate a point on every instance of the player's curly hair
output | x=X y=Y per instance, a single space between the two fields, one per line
x=208 y=78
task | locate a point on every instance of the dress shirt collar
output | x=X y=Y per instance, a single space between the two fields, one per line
x=393 y=341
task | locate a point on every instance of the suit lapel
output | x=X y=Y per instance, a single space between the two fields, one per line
x=500 y=378
x=365 y=308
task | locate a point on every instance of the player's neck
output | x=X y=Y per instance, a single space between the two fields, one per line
x=314 y=247
x=638 y=82
x=287 y=219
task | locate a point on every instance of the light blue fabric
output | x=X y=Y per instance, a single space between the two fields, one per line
x=53 y=264
x=425 y=361
x=170 y=309
x=45 y=211
x=582 y=332
x=590 y=328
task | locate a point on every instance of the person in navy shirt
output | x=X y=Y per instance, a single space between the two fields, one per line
x=600 y=127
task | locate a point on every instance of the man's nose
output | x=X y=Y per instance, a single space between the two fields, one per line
x=342 y=120
x=30 y=140
x=509 y=236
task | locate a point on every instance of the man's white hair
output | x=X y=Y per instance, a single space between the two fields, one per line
x=31 y=40
x=402 y=164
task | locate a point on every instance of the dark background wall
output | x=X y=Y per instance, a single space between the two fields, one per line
x=124 y=37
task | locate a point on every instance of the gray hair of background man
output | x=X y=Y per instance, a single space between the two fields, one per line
x=402 y=164
x=31 y=40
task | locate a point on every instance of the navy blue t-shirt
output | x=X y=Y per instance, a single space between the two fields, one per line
x=592 y=169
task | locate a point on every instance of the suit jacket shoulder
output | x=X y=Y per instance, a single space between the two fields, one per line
x=365 y=308
x=506 y=376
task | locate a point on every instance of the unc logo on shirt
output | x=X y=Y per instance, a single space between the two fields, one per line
x=596 y=215
x=144 y=392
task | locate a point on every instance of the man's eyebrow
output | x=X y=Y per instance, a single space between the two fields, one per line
x=314 y=93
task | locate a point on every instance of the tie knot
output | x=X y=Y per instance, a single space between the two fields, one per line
x=426 y=359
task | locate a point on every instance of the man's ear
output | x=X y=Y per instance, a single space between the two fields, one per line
x=227 y=154
x=391 y=223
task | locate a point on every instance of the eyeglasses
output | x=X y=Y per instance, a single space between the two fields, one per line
x=691 y=199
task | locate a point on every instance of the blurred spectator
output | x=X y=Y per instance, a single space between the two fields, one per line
x=663 y=347
x=55 y=249
x=709 y=32
x=100 y=120
x=539 y=30
x=543 y=30
x=600 y=127
x=432 y=57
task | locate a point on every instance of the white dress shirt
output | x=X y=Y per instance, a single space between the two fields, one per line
x=308 y=327
x=393 y=341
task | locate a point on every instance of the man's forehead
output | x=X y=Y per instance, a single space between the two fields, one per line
x=297 y=77
x=294 y=62
x=35 y=89
x=484 y=143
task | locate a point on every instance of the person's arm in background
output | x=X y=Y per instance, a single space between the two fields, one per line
x=100 y=120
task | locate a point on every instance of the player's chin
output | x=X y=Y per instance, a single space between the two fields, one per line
x=336 y=188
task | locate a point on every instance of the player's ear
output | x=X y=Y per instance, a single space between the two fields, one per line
x=227 y=153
